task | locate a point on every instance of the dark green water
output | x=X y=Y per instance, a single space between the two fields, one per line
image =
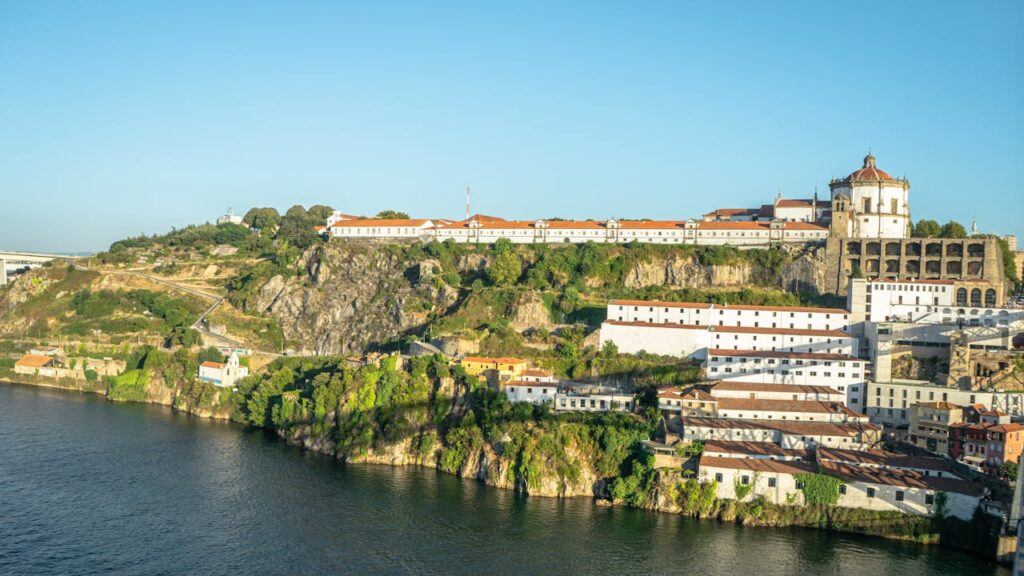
x=89 y=487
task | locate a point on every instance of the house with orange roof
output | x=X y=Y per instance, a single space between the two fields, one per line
x=36 y=365
x=223 y=374
x=497 y=371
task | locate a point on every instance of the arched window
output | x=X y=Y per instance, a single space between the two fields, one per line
x=961 y=297
x=990 y=298
x=976 y=297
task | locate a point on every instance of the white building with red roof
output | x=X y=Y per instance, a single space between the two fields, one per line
x=223 y=374
x=877 y=204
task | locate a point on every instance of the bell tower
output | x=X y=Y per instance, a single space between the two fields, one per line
x=841 y=215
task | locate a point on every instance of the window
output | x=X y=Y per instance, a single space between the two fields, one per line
x=871 y=492
x=929 y=499
x=771 y=482
x=842 y=488
x=899 y=495
x=718 y=477
x=744 y=480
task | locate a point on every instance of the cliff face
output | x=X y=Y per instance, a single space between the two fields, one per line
x=806 y=270
x=352 y=295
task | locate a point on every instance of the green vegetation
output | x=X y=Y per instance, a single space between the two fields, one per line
x=926 y=229
x=953 y=229
x=391 y=215
x=129 y=387
x=819 y=489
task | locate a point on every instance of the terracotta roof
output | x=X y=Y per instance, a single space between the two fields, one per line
x=701 y=395
x=1004 y=428
x=785 y=426
x=381 y=223
x=869 y=172
x=759 y=465
x=791 y=203
x=33 y=361
x=713 y=306
x=782 y=354
x=739 y=386
x=904 y=478
x=764 y=226
x=732 y=212
x=671 y=393
x=753 y=449
x=883 y=458
x=537 y=372
x=217 y=365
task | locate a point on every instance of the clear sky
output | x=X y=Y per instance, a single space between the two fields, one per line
x=118 y=118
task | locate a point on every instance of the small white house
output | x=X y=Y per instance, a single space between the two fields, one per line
x=532 y=392
x=594 y=400
x=223 y=374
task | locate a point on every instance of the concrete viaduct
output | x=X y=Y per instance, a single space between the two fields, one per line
x=10 y=262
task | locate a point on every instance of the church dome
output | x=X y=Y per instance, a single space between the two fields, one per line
x=869 y=172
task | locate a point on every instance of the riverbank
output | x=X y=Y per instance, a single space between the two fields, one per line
x=573 y=456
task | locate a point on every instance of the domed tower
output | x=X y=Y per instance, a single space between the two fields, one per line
x=879 y=203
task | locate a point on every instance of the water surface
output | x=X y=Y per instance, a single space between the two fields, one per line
x=89 y=487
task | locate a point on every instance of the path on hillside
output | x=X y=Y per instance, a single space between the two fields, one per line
x=200 y=324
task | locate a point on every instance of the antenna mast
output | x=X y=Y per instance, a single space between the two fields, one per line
x=467 y=202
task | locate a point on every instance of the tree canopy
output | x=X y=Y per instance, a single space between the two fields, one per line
x=391 y=215
x=926 y=229
x=262 y=218
x=953 y=229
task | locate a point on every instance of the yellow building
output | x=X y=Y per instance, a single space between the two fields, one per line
x=495 y=370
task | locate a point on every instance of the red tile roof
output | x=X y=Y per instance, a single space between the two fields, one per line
x=33 y=361
x=217 y=365
x=898 y=478
x=883 y=458
x=381 y=223
x=791 y=203
x=754 y=449
x=759 y=465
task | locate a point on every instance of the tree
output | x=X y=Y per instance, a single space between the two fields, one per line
x=262 y=218
x=926 y=229
x=1008 y=470
x=504 y=269
x=297 y=227
x=320 y=212
x=391 y=215
x=210 y=354
x=953 y=229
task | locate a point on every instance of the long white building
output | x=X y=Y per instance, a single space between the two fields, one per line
x=708 y=314
x=489 y=229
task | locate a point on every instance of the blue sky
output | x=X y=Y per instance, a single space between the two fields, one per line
x=118 y=118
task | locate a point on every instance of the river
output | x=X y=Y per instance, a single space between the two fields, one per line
x=89 y=487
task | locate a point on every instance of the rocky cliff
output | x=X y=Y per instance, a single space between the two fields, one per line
x=351 y=296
